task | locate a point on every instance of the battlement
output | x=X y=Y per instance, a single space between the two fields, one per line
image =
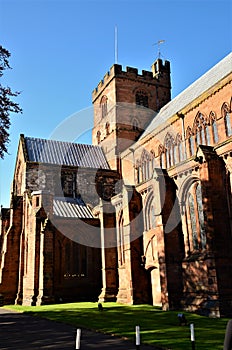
x=132 y=73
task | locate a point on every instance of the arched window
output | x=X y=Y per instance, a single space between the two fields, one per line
x=226 y=115
x=195 y=218
x=145 y=162
x=169 y=144
x=104 y=106
x=141 y=98
x=178 y=154
x=150 y=218
x=213 y=123
x=200 y=127
x=135 y=124
x=152 y=157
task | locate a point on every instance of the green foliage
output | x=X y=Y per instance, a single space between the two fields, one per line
x=7 y=106
x=158 y=328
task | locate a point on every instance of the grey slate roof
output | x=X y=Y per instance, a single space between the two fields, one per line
x=65 y=153
x=205 y=82
x=71 y=208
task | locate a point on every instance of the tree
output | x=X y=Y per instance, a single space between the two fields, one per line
x=7 y=106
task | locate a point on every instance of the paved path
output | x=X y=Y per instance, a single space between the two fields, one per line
x=20 y=332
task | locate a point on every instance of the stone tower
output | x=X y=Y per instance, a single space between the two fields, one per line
x=124 y=104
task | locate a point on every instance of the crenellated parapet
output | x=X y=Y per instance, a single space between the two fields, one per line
x=116 y=71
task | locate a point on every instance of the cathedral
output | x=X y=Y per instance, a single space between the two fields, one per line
x=141 y=216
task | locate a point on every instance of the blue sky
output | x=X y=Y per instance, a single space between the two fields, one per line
x=61 y=49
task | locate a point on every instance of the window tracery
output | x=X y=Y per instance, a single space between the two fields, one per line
x=201 y=130
x=195 y=218
x=169 y=144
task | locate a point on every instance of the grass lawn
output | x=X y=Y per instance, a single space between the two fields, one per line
x=157 y=327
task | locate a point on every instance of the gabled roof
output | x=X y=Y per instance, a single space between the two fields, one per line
x=201 y=85
x=71 y=208
x=64 y=153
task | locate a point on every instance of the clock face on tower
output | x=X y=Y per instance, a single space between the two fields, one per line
x=36 y=179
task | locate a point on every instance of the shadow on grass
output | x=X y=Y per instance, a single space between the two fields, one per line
x=158 y=328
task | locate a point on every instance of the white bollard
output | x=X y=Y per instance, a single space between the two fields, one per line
x=78 y=339
x=192 y=335
x=137 y=337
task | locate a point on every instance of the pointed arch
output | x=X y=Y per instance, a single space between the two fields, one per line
x=226 y=114
x=145 y=165
x=150 y=217
x=213 y=124
x=192 y=208
x=200 y=127
x=169 y=143
x=103 y=105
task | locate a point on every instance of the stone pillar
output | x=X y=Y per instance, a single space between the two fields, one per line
x=45 y=271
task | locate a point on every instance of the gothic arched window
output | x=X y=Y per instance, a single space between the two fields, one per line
x=195 y=218
x=201 y=130
x=227 y=120
x=141 y=98
x=145 y=165
x=150 y=219
x=213 y=123
x=178 y=153
x=135 y=124
x=104 y=106
x=169 y=144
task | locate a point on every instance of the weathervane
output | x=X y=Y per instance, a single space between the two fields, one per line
x=158 y=43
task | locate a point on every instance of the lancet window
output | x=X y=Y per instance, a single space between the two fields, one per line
x=201 y=130
x=213 y=124
x=150 y=218
x=178 y=149
x=169 y=145
x=195 y=218
x=145 y=165
x=103 y=105
x=226 y=114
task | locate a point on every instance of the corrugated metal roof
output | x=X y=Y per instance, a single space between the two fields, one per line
x=65 y=153
x=205 y=82
x=71 y=208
